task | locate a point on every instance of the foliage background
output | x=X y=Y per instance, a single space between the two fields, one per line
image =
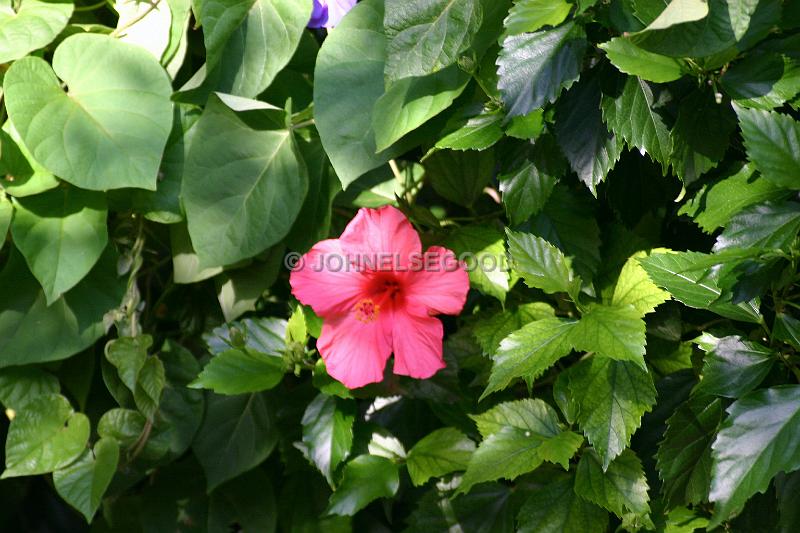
x=635 y=165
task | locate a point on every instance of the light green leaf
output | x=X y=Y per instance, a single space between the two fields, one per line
x=124 y=426
x=149 y=386
x=631 y=116
x=740 y=13
x=479 y=132
x=425 y=36
x=490 y=331
x=6 y=213
x=679 y=274
x=348 y=80
x=20 y=174
x=128 y=355
x=242 y=187
x=611 y=397
x=487 y=266
x=680 y=12
x=631 y=59
x=110 y=130
x=61 y=233
x=83 y=483
x=557 y=508
x=240 y=371
x=237 y=434
x=30 y=25
x=518 y=437
x=328 y=432
x=534 y=68
x=621 y=488
x=21 y=384
x=541 y=264
x=411 y=102
x=635 y=288
x=614 y=331
x=530 y=15
x=438 y=453
x=773 y=145
x=44 y=436
x=529 y=351
x=756 y=441
x=365 y=478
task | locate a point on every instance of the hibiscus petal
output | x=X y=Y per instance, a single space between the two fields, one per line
x=381 y=237
x=439 y=283
x=324 y=281
x=355 y=352
x=417 y=342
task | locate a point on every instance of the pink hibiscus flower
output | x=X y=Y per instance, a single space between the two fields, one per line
x=377 y=293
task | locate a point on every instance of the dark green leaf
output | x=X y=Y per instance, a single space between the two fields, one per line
x=247 y=502
x=328 y=432
x=768 y=226
x=487 y=264
x=365 y=478
x=83 y=483
x=557 y=508
x=762 y=81
x=460 y=176
x=621 y=488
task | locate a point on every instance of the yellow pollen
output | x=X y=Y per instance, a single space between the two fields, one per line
x=367 y=311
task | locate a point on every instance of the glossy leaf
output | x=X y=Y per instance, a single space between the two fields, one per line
x=364 y=479
x=83 y=483
x=328 y=432
x=440 y=452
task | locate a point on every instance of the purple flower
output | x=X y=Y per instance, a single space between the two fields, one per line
x=328 y=13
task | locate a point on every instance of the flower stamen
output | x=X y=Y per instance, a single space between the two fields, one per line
x=367 y=311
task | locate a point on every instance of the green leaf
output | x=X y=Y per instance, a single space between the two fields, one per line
x=771 y=226
x=631 y=59
x=679 y=12
x=685 y=275
x=124 y=426
x=694 y=152
x=348 y=80
x=128 y=355
x=364 y=479
x=219 y=18
x=440 y=452
x=149 y=386
x=716 y=203
x=83 y=483
x=529 y=352
x=411 y=102
x=61 y=233
x=534 y=68
x=614 y=331
x=110 y=130
x=266 y=336
x=425 y=36
x=237 y=434
x=635 y=288
x=518 y=437
x=21 y=384
x=632 y=116
x=592 y=151
x=526 y=189
x=32 y=332
x=762 y=81
x=556 y=507
x=44 y=436
x=621 y=488
x=242 y=195
x=611 y=397
x=541 y=264
x=30 y=25
x=489 y=332
x=186 y=267
x=735 y=367
x=530 y=15
x=684 y=456
x=479 y=132
x=6 y=213
x=328 y=432
x=756 y=441
x=238 y=290
x=787 y=329
x=460 y=176
x=247 y=502
x=772 y=142
x=487 y=266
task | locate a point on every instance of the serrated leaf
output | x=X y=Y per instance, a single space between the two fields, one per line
x=770 y=226
x=487 y=266
x=364 y=479
x=680 y=274
x=83 y=483
x=684 y=456
x=328 y=432
x=529 y=351
x=62 y=234
x=762 y=81
x=756 y=441
x=30 y=25
x=735 y=367
x=526 y=190
x=490 y=331
x=613 y=331
x=541 y=265
x=44 y=436
x=631 y=116
x=631 y=59
x=425 y=36
x=635 y=288
x=518 y=437
x=556 y=507
x=530 y=15
x=621 y=488
x=611 y=397
x=440 y=452
x=773 y=145
x=534 y=68
x=110 y=130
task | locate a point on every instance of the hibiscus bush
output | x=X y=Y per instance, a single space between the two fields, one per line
x=400 y=265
